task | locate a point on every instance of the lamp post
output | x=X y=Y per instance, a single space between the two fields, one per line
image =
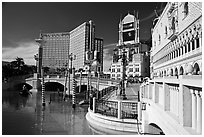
x=65 y=84
x=88 y=68
x=124 y=63
x=71 y=57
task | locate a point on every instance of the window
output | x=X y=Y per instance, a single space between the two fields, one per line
x=130 y=69
x=118 y=70
x=136 y=69
x=165 y=31
x=193 y=45
x=113 y=70
x=185 y=9
x=197 y=43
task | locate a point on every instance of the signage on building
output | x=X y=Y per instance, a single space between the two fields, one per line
x=129 y=35
x=128 y=25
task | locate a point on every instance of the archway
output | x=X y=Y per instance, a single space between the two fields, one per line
x=20 y=86
x=196 y=69
x=154 y=129
x=164 y=72
x=181 y=71
x=54 y=86
x=176 y=72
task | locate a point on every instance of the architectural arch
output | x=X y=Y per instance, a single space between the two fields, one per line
x=154 y=129
x=196 y=69
x=181 y=70
x=164 y=72
x=175 y=71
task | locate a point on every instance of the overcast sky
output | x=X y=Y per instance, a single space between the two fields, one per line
x=22 y=22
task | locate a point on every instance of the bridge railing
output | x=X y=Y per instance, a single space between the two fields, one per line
x=107 y=108
x=117 y=109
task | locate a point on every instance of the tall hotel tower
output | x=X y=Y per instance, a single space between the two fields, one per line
x=136 y=53
x=85 y=46
x=55 y=48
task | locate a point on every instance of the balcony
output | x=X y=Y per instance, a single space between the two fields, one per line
x=172 y=34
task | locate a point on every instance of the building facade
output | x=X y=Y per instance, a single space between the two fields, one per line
x=55 y=49
x=175 y=85
x=136 y=53
x=85 y=46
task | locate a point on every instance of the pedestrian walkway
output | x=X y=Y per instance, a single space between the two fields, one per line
x=131 y=93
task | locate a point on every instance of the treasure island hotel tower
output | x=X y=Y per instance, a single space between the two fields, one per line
x=55 y=48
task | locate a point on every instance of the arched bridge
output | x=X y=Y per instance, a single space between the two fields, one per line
x=103 y=83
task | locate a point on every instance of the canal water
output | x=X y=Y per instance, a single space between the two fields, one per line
x=24 y=115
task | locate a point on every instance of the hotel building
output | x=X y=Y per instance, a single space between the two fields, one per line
x=85 y=46
x=136 y=53
x=55 y=48
x=175 y=85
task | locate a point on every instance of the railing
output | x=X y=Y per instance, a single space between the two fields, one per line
x=117 y=109
x=105 y=93
x=129 y=110
x=107 y=108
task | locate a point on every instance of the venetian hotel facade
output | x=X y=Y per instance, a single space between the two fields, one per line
x=175 y=84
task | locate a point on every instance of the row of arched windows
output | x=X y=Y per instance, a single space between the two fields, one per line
x=194 y=70
x=188 y=47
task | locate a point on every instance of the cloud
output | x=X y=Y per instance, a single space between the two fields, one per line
x=25 y=50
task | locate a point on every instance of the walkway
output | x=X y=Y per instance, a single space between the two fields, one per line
x=131 y=93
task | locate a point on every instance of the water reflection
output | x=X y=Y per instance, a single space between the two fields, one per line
x=25 y=115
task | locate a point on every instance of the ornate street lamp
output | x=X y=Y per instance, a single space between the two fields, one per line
x=71 y=57
x=124 y=63
x=65 y=84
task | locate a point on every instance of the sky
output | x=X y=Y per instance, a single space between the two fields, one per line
x=23 y=21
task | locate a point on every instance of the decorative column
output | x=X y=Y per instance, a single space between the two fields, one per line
x=97 y=85
x=139 y=110
x=119 y=109
x=94 y=104
x=194 y=109
x=43 y=88
x=80 y=81
x=199 y=111
x=73 y=89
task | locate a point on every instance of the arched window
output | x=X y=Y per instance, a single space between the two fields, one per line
x=181 y=71
x=197 y=43
x=196 y=69
x=193 y=44
x=189 y=47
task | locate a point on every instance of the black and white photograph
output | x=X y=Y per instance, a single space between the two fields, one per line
x=101 y=67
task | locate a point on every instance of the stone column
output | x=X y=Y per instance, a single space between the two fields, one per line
x=154 y=92
x=166 y=97
x=181 y=104
x=194 y=109
x=119 y=109
x=139 y=111
x=94 y=104
x=199 y=111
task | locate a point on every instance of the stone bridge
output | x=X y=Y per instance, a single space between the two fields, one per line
x=103 y=83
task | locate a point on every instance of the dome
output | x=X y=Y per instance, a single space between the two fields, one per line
x=129 y=18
